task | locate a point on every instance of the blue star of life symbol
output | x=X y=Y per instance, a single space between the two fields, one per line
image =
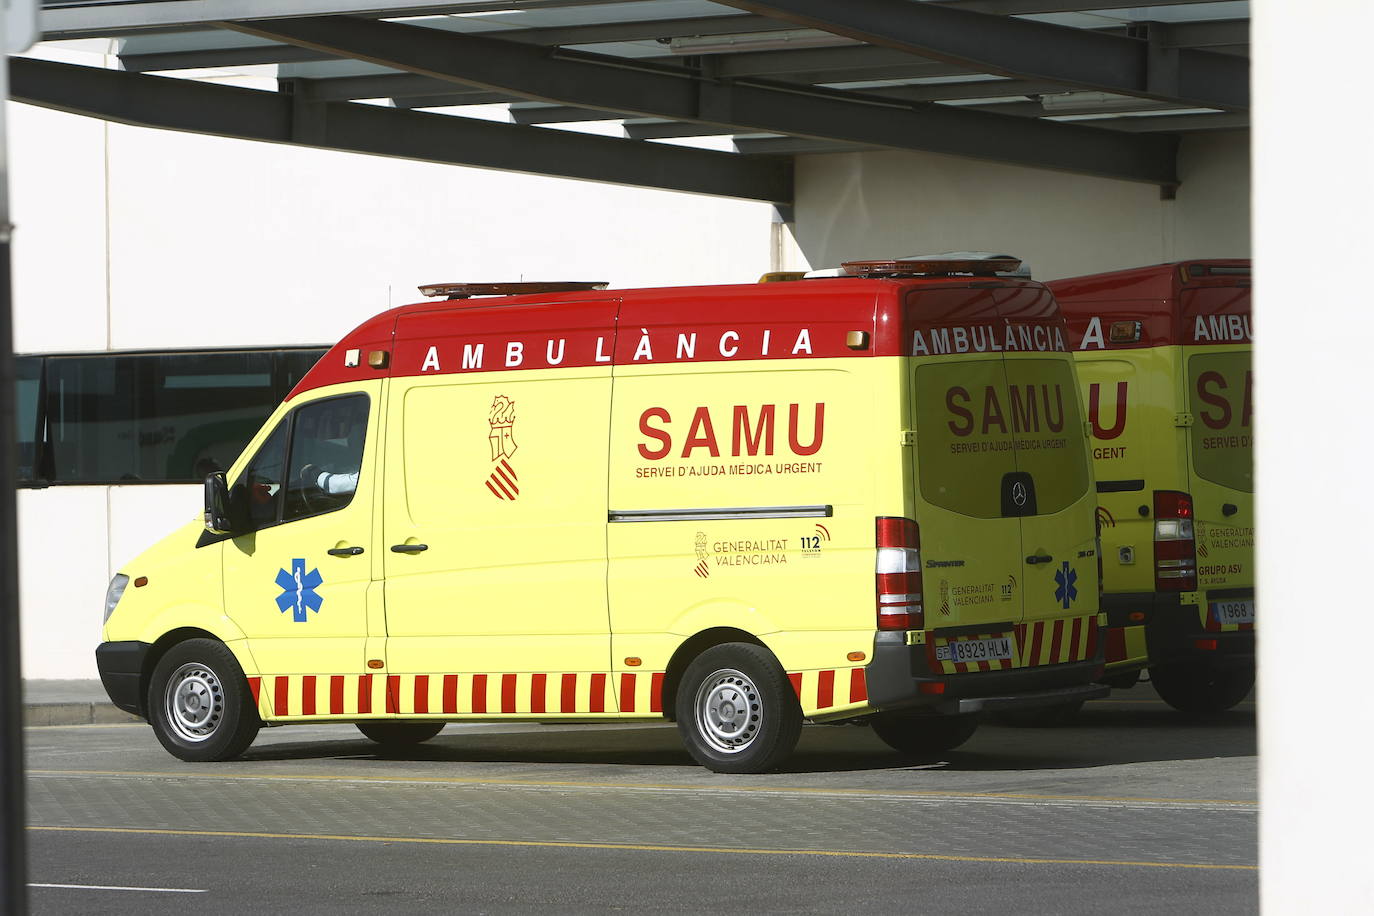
x=298 y=590
x=1067 y=590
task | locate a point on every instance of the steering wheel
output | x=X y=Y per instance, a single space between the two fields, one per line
x=307 y=482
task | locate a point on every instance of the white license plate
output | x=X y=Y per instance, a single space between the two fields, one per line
x=1229 y=612
x=993 y=649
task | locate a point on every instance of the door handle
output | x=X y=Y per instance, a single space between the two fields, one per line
x=1229 y=509
x=408 y=548
x=1039 y=558
x=345 y=551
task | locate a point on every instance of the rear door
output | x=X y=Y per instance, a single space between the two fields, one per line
x=964 y=464
x=1218 y=378
x=1005 y=499
x=1057 y=529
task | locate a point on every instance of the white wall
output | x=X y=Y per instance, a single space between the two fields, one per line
x=223 y=242
x=63 y=572
x=888 y=204
x=72 y=540
x=1313 y=198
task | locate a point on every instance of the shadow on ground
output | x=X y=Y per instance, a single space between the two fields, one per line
x=1102 y=735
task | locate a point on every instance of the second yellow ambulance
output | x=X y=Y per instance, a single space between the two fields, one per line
x=861 y=498
x=1163 y=355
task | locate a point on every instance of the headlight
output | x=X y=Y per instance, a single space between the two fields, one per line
x=114 y=593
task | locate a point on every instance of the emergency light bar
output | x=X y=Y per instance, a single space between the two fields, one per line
x=932 y=265
x=466 y=290
x=1193 y=271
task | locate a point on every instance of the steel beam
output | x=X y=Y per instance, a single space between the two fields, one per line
x=451 y=99
x=1025 y=49
x=659 y=130
x=793 y=145
x=529 y=113
x=251 y=56
x=1224 y=120
x=1031 y=7
x=228 y=111
x=388 y=86
x=1223 y=33
x=636 y=88
x=638 y=30
x=852 y=59
x=119 y=17
x=967 y=89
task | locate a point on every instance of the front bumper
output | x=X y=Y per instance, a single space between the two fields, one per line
x=899 y=677
x=121 y=671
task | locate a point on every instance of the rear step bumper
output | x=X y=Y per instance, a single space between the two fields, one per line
x=1041 y=698
x=899 y=677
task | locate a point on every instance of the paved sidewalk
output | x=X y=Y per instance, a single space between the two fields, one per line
x=54 y=702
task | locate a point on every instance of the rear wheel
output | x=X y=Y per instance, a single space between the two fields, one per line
x=923 y=736
x=736 y=710
x=199 y=704
x=1201 y=691
x=400 y=734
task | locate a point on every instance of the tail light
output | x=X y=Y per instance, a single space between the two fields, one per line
x=1175 y=548
x=898 y=575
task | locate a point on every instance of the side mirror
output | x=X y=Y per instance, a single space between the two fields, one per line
x=218 y=518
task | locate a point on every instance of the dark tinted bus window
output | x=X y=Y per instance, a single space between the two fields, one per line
x=156 y=417
x=28 y=373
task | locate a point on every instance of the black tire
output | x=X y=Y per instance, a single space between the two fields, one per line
x=736 y=710
x=923 y=736
x=199 y=704
x=1200 y=691
x=1056 y=716
x=400 y=734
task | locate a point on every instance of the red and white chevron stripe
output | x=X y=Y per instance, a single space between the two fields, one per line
x=502 y=482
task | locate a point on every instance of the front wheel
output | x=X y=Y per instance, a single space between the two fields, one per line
x=199 y=704
x=400 y=734
x=923 y=736
x=736 y=710
x=1197 y=690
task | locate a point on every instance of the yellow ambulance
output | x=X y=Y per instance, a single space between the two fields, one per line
x=865 y=497
x=1163 y=356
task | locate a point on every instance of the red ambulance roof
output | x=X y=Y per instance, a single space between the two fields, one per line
x=794 y=320
x=1192 y=303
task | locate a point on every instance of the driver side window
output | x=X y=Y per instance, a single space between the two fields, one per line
x=327 y=439
x=319 y=471
x=264 y=478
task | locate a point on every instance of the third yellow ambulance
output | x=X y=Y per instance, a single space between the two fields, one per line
x=1164 y=358
x=865 y=497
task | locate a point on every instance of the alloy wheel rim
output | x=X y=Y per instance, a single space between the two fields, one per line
x=194 y=702
x=729 y=712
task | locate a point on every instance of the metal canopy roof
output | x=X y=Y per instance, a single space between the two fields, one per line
x=1097 y=87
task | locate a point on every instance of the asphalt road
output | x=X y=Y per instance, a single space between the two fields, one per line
x=1132 y=809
